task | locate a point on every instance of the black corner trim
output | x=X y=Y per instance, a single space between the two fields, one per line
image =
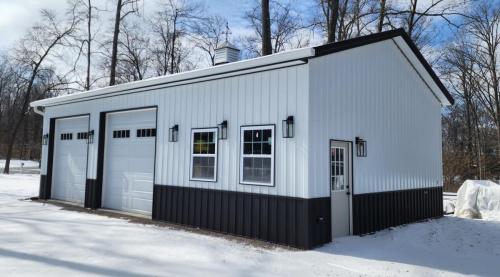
x=46 y=180
x=377 y=211
x=93 y=194
x=364 y=40
x=297 y=222
x=44 y=192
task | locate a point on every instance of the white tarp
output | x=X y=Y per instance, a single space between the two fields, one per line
x=478 y=199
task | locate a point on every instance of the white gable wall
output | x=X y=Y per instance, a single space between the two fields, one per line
x=374 y=93
x=265 y=97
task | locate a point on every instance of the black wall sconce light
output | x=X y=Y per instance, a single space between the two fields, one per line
x=173 y=133
x=361 y=150
x=45 y=139
x=90 y=137
x=288 y=127
x=222 y=130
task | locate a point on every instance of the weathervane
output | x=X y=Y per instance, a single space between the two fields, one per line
x=228 y=32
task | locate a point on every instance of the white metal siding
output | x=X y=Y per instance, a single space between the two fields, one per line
x=266 y=97
x=373 y=92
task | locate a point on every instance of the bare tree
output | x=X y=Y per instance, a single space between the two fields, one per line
x=170 y=24
x=121 y=13
x=84 y=37
x=209 y=33
x=266 y=28
x=134 y=59
x=330 y=10
x=484 y=27
x=286 y=24
x=470 y=127
x=416 y=18
x=381 y=16
x=33 y=50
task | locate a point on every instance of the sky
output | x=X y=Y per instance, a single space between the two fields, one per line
x=18 y=15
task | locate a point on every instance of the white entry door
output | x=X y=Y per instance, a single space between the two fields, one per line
x=69 y=171
x=340 y=186
x=129 y=161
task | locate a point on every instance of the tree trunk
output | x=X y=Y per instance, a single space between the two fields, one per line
x=266 y=29
x=114 y=54
x=172 y=52
x=381 y=16
x=333 y=6
x=411 y=23
x=89 y=39
x=10 y=144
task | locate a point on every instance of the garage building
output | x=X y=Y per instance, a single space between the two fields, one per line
x=296 y=148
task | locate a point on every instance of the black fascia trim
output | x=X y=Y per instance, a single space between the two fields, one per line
x=191 y=156
x=369 y=39
x=274 y=156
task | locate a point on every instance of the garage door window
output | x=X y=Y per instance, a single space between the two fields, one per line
x=257 y=155
x=82 y=135
x=121 y=133
x=146 y=133
x=67 y=136
x=204 y=155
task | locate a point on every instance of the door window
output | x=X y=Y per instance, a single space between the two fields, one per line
x=337 y=158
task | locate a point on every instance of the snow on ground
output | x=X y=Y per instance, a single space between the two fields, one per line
x=38 y=239
x=449 y=202
x=17 y=163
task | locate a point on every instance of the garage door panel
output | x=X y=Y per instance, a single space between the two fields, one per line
x=70 y=160
x=129 y=162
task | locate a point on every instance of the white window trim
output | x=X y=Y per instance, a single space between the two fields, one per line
x=201 y=130
x=242 y=156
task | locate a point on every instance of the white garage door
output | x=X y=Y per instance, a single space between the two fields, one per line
x=70 y=159
x=129 y=161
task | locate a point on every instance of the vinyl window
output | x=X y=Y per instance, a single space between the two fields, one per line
x=204 y=154
x=257 y=155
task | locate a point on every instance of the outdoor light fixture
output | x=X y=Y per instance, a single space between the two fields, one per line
x=90 y=137
x=45 y=139
x=223 y=130
x=173 y=133
x=288 y=127
x=360 y=147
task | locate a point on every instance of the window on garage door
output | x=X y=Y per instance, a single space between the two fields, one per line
x=204 y=154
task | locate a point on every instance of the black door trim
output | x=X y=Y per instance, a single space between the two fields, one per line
x=50 y=157
x=101 y=149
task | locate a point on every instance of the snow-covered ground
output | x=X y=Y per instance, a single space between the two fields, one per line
x=17 y=163
x=29 y=167
x=43 y=239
